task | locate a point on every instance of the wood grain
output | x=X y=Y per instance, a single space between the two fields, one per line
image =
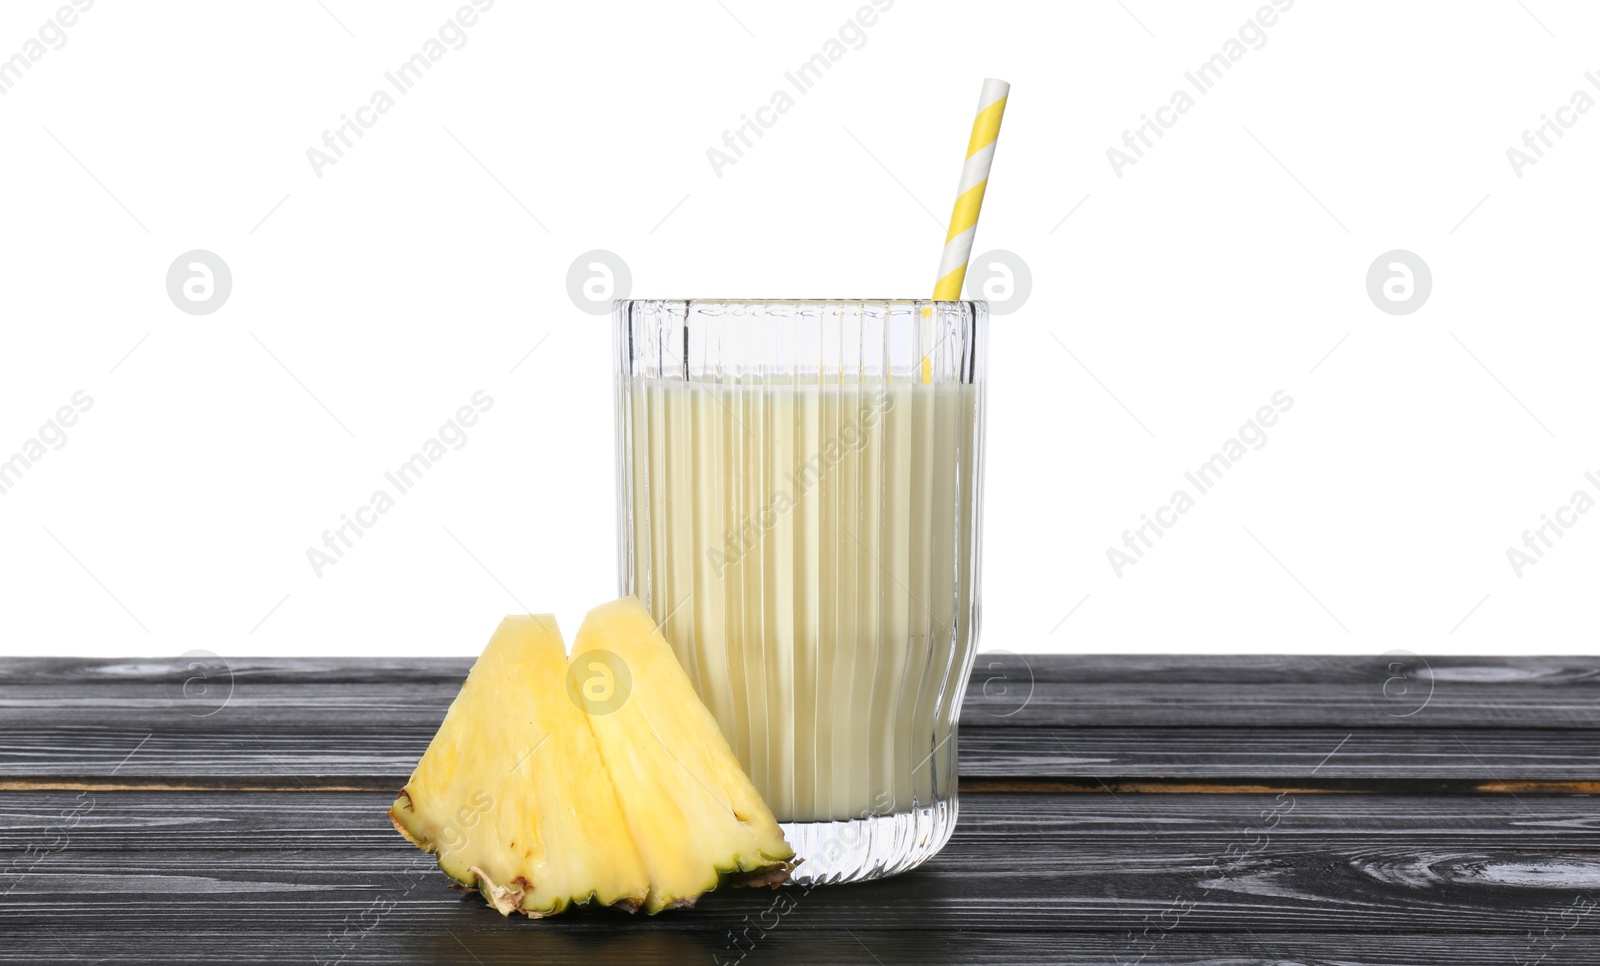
x=1073 y=863
x=305 y=746
x=1381 y=691
x=1005 y=689
x=1227 y=719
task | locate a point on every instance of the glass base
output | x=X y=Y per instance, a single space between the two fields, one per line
x=863 y=849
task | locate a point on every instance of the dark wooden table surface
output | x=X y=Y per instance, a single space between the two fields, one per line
x=1219 y=810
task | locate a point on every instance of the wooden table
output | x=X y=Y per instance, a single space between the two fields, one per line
x=1164 y=810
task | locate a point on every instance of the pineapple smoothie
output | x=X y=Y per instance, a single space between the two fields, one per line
x=809 y=551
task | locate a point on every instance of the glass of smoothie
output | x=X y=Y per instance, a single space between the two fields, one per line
x=800 y=489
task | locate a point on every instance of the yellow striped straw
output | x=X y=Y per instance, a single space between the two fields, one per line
x=969 y=197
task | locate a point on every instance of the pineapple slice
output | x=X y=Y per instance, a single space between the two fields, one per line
x=508 y=794
x=690 y=808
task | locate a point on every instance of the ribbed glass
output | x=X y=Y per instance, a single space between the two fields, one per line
x=799 y=506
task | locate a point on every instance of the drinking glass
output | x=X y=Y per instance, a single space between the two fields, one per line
x=799 y=506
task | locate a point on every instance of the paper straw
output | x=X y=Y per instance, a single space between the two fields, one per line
x=969 y=196
x=969 y=199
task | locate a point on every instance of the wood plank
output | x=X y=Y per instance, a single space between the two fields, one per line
x=1378 y=691
x=294 y=745
x=146 y=821
x=1282 y=754
x=1109 y=718
x=302 y=863
x=1092 y=669
x=174 y=937
x=1006 y=690
x=80 y=672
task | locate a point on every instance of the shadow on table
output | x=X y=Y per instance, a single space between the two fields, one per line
x=728 y=927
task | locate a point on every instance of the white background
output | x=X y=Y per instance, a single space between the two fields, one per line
x=374 y=300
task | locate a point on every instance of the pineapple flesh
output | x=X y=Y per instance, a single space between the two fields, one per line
x=690 y=808
x=508 y=793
